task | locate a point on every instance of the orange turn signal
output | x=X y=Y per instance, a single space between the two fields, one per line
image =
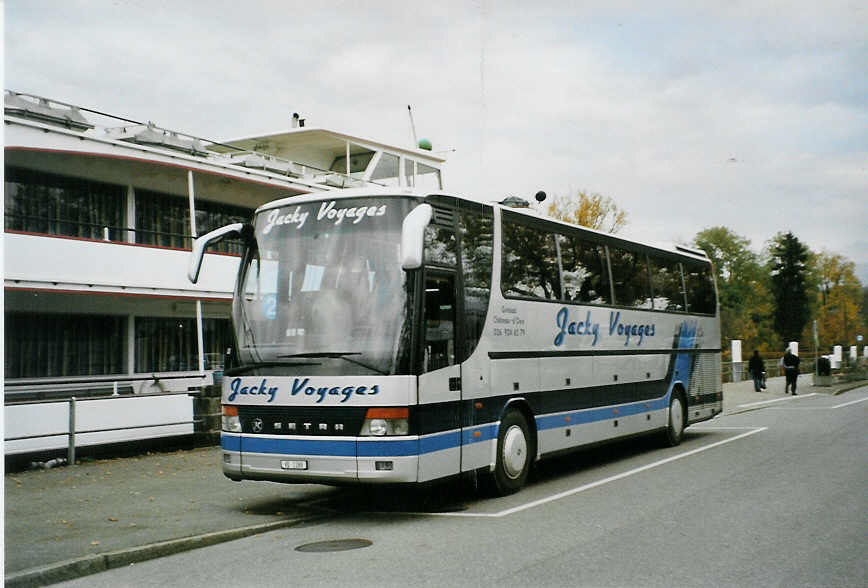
x=230 y=410
x=388 y=413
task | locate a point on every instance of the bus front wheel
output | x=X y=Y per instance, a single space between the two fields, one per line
x=675 y=421
x=513 y=454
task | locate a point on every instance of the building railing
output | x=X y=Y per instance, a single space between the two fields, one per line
x=72 y=430
x=36 y=390
x=738 y=371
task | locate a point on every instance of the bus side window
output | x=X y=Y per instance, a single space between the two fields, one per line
x=630 y=278
x=585 y=275
x=700 y=288
x=477 y=249
x=439 y=321
x=530 y=262
x=666 y=284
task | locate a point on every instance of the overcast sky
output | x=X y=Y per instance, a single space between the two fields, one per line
x=751 y=115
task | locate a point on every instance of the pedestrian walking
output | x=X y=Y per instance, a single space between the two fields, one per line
x=757 y=370
x=791 y=370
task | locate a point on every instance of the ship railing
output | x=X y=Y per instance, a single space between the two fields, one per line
x=69 y=116
x=28 y=223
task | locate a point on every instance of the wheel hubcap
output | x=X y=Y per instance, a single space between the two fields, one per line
x=676 y=416
x=514 y=451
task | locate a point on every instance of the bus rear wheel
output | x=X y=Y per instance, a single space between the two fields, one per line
x=513 y=454
x=675 y=421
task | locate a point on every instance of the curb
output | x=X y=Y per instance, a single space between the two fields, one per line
x=101 y=562
x=850 y=386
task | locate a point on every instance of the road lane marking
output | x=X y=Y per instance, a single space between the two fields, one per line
x=760 y=403
x=701 y=427
x=598 y=483
x=820 y=407
x=851 y=402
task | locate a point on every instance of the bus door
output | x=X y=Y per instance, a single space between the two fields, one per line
x=440 y=380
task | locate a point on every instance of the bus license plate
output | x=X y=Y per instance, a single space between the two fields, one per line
x=293 y=464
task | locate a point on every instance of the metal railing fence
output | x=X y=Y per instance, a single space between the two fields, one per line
x=72 y=431
x=26 y=390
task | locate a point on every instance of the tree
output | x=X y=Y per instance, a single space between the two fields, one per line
x=840 y=300
x=788 y=265
x=865 y=307
x=589 y=210
x=746 y=305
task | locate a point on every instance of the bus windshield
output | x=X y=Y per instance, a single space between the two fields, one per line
x=322 y=283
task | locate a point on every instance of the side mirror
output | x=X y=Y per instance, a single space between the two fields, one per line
x=202 y=242
x=413 y=236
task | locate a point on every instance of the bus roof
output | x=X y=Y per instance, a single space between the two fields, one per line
x=367 y=192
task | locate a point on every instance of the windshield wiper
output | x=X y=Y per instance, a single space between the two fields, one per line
x=338 y=355
x=329 y=354
x=241 y=369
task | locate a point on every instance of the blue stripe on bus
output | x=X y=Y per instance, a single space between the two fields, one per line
x=327 y=447
x=486 y=433
x=383 y=448
x=230 y=443
x=598 y=414
x=337 y=448
x=427 y=444
x=439 y=442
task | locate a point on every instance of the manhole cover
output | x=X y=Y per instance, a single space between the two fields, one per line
x=333 y=545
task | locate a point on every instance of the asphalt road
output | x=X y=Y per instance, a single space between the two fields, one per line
x=770 y=497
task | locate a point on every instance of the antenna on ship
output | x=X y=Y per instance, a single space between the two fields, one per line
x=422 y=143
x=412 y=125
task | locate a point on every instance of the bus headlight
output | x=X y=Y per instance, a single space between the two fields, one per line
x=385 y=422
x=231 y=422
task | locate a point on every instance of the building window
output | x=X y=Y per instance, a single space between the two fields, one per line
x=169 y=344
x=164 y=220
x=386 y=172
x=52 y=345
x=60 y=205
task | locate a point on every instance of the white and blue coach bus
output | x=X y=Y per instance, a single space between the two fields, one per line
x=397 y=337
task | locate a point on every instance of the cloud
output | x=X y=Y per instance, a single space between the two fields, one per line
x=688 y=115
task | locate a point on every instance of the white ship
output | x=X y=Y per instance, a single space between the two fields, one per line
x=100 y=212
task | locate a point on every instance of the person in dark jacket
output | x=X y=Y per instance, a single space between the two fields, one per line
x=757 y=370
x=791 y=370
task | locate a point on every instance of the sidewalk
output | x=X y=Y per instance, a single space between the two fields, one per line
x=74 y=521
x=741 y=397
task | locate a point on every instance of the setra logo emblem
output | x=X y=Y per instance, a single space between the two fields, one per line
x=257 y=425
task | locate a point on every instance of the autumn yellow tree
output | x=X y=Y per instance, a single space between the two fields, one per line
x=594 y=211
x=839 y=300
